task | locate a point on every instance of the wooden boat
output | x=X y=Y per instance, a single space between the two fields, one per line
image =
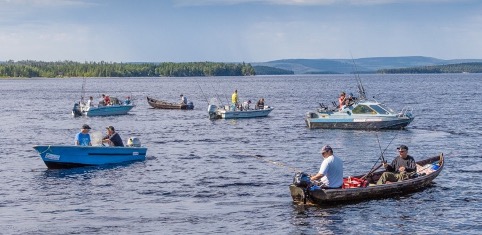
x=353 y=190
x=227 y=112
x=57 y=156
x=159 y=104
x=362 y=114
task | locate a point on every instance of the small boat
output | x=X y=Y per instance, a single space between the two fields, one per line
x=116 y=107
x=229 y=112
x=159 y=104
x=363 y=187
x=361 y=114
x=59 y=156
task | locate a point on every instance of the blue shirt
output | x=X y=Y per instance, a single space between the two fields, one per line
x=83 y=139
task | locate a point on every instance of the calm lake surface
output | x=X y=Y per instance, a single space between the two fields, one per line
x=202 y=176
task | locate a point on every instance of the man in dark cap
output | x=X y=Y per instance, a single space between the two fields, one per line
x=112 y=138
x=400 y=167
x=330 y=174
x=83 y=137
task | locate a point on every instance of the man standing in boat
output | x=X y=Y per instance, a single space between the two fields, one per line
x=330 y=174
x=112 y=138
x=400 y=167
x=234 y=99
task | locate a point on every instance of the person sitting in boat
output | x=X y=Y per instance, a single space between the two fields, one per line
x=90 y=102
x=106 y=99
x=127 y=101
x=112 y=138
x=400 y=168
x=341 y=100
x=234 y=99
x=183 y=99
x=83 y=137
x=260 y=104
x=246 y=105
x=330 y=174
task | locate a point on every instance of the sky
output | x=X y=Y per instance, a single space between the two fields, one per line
x=237 y=30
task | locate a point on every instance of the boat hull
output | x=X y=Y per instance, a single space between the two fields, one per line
x=56 y=157
x=359 y=123
x=216 y=112
x=109 y=110
x=159 y=104
x=350 y=195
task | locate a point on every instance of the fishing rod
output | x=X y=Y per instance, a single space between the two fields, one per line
x=84 y=82
x=207 y=101
x=361 y=89
x=373 y=169
x=217 y=94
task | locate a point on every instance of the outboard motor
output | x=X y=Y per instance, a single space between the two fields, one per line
x=76 y=110
x=302 y=180
x=190 y=105
x=212 y=111
x=133 y=142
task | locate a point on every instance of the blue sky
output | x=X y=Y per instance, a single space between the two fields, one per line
x=237 y=30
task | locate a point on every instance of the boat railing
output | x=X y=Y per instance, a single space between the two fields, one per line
x=407 y=111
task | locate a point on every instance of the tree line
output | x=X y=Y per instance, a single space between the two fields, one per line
x=475 y=67
x=31 y=68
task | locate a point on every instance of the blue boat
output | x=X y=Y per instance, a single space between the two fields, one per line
x=362 y=114
x=109 y=110
x=60 y=156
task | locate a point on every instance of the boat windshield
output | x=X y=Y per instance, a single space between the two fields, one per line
x=363 y=109
x=379 y=109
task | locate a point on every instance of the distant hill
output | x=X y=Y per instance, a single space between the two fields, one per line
x=266 y=70
x=475 y=67
x=361 y=65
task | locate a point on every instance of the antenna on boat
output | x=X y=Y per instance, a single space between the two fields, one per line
x=361 y=89
x=84 y=82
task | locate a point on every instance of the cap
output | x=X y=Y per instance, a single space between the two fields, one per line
x=326 y=148
x=110 y=128
x=85 y=126
x=181 y=94
x=404 y=147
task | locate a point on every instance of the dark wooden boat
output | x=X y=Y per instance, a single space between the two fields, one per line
x=159 y=104
x=354 y=191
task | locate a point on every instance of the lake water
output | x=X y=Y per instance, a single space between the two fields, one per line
x=203 y=176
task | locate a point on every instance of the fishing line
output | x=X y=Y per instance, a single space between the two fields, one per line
x=381 y=155
x=280 y=164
x=207 y=101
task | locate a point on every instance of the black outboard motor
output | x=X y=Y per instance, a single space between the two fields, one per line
x=76 y=110
x=302 y=180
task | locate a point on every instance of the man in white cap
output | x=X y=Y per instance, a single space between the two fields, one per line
x=330 y=174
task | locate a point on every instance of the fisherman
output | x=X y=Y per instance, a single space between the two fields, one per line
x=234 y=99
x=260 y=104
x=83 y=137
x=341 y=100
x=127 y=101
x=183 y=99
x=112 y=138
x=400 y=167
x=330 y=174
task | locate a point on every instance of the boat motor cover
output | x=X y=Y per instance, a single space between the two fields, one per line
x=302 y=180
x=133 y=142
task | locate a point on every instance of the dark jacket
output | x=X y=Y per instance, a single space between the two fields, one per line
x=408 y=163
x=116 y=139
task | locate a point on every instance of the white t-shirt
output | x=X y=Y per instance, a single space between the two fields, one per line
x=332 y=170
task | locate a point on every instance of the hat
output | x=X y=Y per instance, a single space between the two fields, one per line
x=181 y=95
x=326 y=148
x=85 y=126
x=110 y=128
x=404 y=147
